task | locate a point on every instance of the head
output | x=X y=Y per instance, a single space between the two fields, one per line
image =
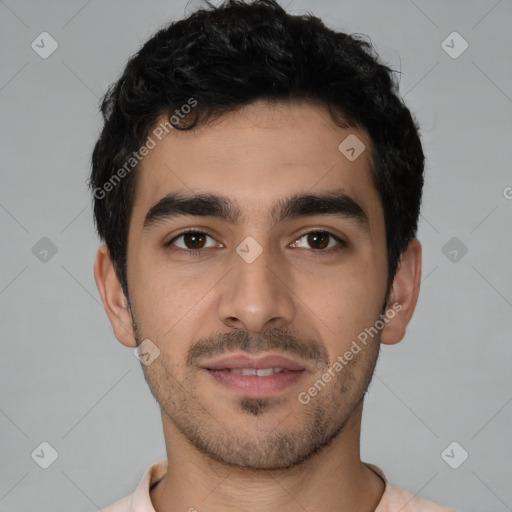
x=284 y=145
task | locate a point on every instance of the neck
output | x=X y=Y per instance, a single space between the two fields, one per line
x=335 y=479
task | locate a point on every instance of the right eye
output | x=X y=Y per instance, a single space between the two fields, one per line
x=193 y=242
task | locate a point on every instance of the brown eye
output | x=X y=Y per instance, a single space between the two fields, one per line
x=318 y=239
x=322 y=241
x=194 y=240
x=190 y=241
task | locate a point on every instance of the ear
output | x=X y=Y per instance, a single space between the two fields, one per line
x=113 y=297
x=403 y=295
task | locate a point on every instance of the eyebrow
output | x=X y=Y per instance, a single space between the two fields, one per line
x=333 y=202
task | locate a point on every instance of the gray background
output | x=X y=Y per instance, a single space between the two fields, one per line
x=67 y=381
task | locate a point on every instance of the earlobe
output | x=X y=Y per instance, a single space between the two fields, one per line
x=113 y=298
x=404 y=291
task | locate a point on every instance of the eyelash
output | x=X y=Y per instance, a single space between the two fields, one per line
x=197 y=252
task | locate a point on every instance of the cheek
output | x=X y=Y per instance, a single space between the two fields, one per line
x=168 y=302
x=346 y=304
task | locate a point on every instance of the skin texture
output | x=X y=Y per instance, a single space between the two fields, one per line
x=227 y=451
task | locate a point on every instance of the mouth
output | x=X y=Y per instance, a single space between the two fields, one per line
x=260 y=372
x=255 y=376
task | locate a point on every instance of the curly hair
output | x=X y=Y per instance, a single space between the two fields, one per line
x=231 y=55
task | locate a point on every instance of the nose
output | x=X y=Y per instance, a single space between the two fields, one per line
x=256 y=293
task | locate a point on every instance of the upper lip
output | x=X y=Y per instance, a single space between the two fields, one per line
x=240 y=361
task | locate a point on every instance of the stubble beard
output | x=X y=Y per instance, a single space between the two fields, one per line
x=316 y=425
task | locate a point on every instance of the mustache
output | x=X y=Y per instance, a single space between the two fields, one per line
x=271 y=339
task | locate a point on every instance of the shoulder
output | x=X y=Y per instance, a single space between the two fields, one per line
x=140 y=500
x=397 y=498
x=122 y=505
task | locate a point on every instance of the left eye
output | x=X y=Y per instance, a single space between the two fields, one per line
x=319 y=238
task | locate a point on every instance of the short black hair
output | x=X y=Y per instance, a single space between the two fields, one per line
x=228 y=56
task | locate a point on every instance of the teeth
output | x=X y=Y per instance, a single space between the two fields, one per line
x=262 y=372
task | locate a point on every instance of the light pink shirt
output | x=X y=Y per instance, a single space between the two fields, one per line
x=394 y=499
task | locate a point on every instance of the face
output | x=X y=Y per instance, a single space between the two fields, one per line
x=268 y=291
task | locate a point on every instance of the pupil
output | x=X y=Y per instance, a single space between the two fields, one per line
x=313 y=239
x=195 y=238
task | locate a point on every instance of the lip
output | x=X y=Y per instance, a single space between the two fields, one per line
x=238 y=361
x=253 y=385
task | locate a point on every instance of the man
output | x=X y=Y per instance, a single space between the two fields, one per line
x=257 y=184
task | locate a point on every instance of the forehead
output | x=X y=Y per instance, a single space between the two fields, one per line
x=258 y=155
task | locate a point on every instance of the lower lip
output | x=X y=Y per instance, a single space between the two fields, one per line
x=254 y=386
